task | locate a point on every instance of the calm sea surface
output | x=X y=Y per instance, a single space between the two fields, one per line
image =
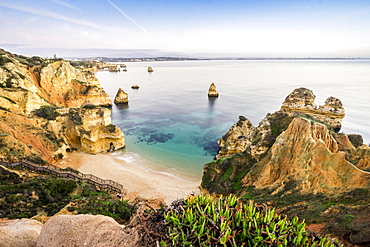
x=172 y=127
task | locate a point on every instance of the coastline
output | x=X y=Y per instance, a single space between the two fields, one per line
x=150 y=184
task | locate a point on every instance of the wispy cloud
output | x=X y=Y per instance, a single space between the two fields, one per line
x=62 y=3
x=50 y=14
x=129 y=18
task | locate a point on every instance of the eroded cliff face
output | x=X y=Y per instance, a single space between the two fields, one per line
x=49 y=108
x=307 y=154
x=293 y=149
x=243 y=136
x=66 y=86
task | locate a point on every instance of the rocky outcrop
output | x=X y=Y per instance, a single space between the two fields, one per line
x=212 y=92
x=243 y=136
x=293 y=149
x=65 y=86
x=121 y=97
x=85 y=230
x=302 y=100
x=113 y=68
x=49 y=107
x=307 y=154
x=23 y=233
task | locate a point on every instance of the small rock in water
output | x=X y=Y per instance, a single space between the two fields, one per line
x=121 y=97
x=212 y=92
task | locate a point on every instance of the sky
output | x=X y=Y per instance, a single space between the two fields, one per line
x=186 y=28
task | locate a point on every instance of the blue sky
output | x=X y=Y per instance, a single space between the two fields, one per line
x=195 y=28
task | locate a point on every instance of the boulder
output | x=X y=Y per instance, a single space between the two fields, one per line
x=150 y=69
x=86 y=230
x=22 y=233
x=212 y=92
x=121 y=97
x=135 y=86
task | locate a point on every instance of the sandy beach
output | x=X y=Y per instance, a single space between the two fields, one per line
x=138 y=182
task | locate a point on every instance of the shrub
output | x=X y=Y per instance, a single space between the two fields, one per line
x=89 y=106
x=206 y=221
x=47 y=112
x=36 y=159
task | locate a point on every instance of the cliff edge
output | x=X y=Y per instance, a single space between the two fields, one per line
x=48 y=107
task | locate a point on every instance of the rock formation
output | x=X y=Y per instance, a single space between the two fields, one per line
x=295 y=145
x=243 y=136
x=302 y=100
x=22 y=232
x=49 y=107
x=150 y=69
x=307 y=154
x=113 y=68
x=65 y=86
x=212 y=92
x=85 y=230
x=121 y=97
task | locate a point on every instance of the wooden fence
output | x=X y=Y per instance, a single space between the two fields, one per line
x=108 y=185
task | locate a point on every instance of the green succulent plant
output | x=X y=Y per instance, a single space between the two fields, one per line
x=207 y=221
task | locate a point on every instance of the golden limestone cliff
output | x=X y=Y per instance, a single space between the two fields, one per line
x=307 y=154
x=48 y=107
x=257 y=140
x=294 y=149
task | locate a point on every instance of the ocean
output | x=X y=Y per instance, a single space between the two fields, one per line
x=172 y=127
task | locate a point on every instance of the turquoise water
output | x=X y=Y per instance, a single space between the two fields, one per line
x=171 y=126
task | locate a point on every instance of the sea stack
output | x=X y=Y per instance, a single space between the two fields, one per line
x=212 y=92
x=121 y=97
x=150 y=69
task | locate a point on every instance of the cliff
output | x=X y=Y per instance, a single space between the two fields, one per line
x=49 y=107
x=307 y=154
x=297 y=143
x=296 y=160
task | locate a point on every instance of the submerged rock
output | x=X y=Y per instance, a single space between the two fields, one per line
x=121 y=97
x=212 y=92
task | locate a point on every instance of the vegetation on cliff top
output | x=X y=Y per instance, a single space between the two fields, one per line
x=25 y=195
